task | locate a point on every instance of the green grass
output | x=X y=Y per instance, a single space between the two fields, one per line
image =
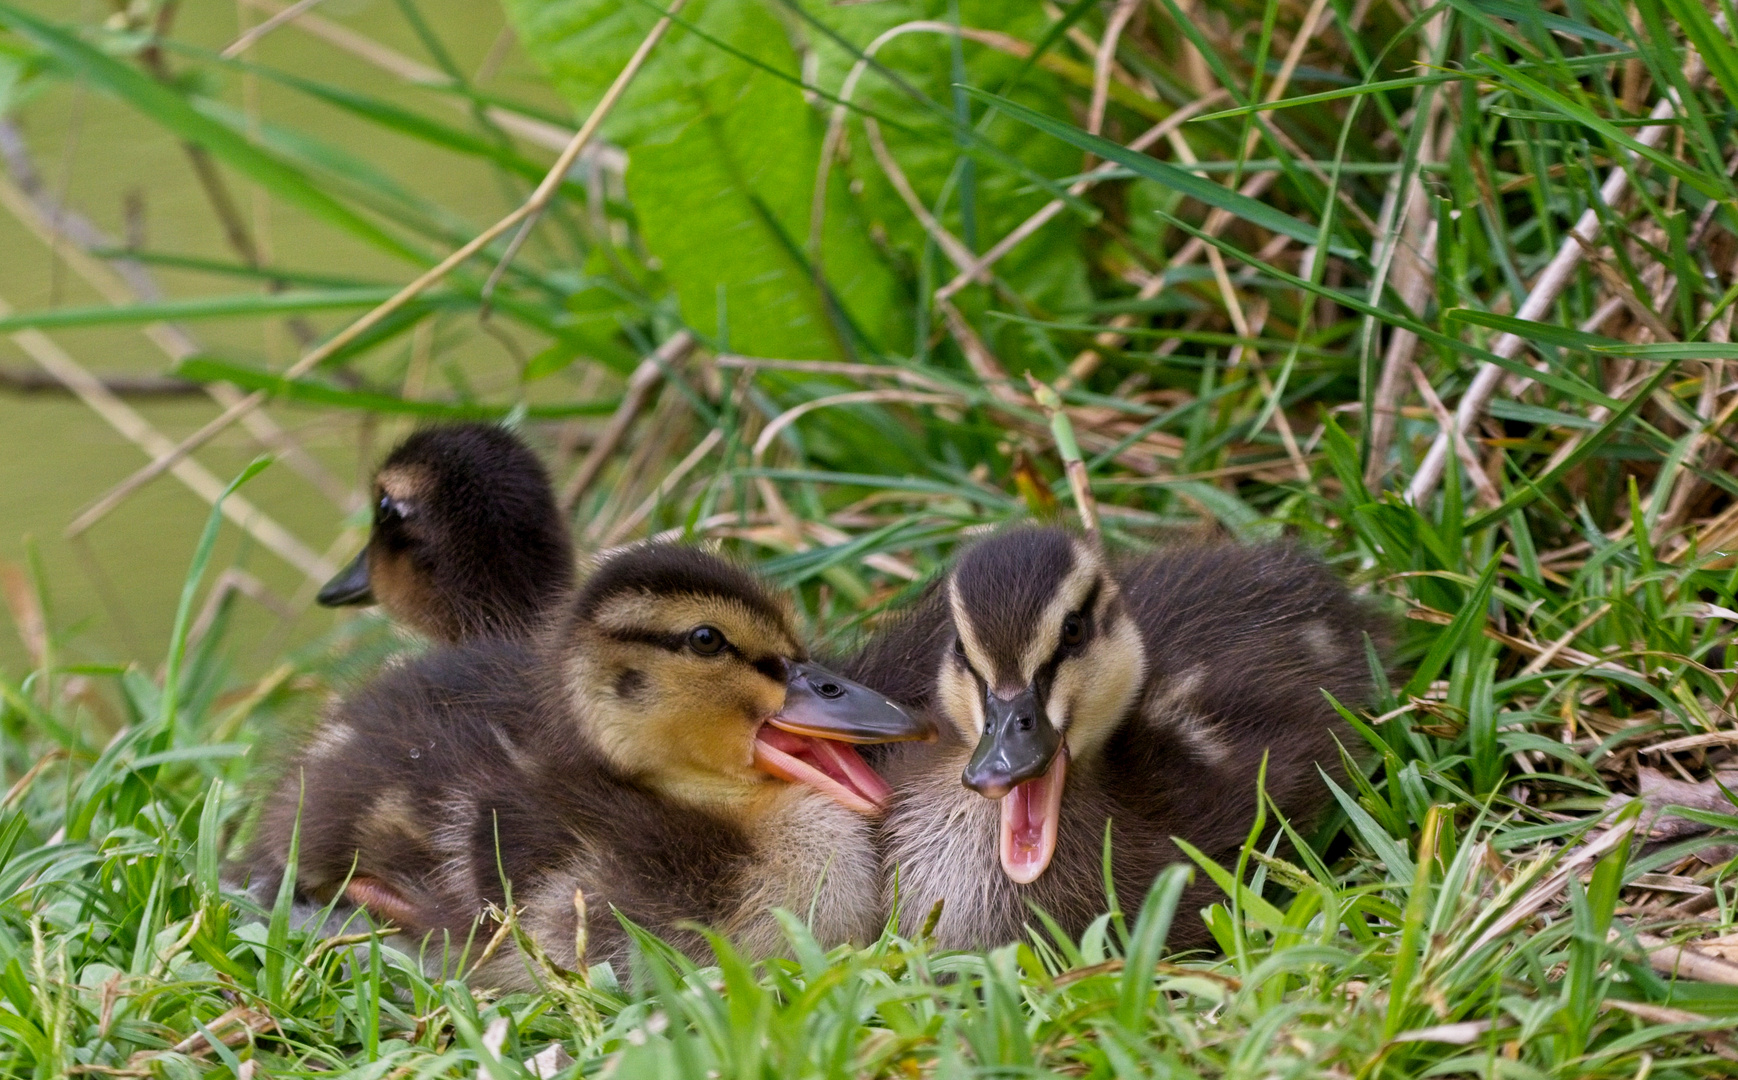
x=1476 y=905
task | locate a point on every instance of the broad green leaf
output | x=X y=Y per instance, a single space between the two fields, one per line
x=723 y=166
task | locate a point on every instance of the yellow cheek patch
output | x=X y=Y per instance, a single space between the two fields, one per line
x=689 y=716
x=960 y=699
x=406 y=594
x=392 y=817
x=1070 y=595
x=1095 y=691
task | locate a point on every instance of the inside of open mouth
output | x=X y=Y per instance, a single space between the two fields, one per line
x=834 y=768
x=1031 y=816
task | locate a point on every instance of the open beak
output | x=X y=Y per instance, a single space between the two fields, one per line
x=1022 y=761
x=808 y=741
x=348 y=586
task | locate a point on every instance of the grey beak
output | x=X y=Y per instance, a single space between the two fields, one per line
x=1018 y=744
x=348 y=586
x=821 y=704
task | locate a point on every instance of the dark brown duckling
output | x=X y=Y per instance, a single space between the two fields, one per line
x=663 y=748
x=466 y=541
x=1073 y=690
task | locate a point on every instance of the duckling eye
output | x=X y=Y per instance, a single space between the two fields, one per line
x=1073 y=630
x=706 y=640
x=390 y=508
x=959 y=647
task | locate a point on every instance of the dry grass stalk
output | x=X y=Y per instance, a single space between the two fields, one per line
x=124 y=419
x=530 y=128
x=1543 y=295
x=641 y=385
x=119 y=281
x=527 y=211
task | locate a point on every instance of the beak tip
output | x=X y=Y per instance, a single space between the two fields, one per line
x=349 y=587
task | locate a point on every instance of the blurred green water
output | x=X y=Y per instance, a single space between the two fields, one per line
x=116 y=602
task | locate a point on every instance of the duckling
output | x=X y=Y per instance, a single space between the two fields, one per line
x=466 y=539
x=1075 y=691
x=664 y=748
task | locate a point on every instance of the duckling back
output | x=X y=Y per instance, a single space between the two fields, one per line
x=1241 y=643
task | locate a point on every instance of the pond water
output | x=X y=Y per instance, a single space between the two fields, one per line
x=113 y=596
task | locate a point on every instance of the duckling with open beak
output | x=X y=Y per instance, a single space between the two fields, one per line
x=665 y=747
x=1074 y=692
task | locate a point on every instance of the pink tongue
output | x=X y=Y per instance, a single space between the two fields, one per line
x=1025 y=827
x=832 y=768
x=1030 y=816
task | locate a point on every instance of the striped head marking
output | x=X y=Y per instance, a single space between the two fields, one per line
x=1045 y=664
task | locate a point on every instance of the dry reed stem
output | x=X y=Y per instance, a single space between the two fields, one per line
x=1103 y=60
x=830 y=144
x=124 y=419
x=533 y=205
x=1487 y=492
x=1543 y=295
x=1537 y=897
x=620 y=530
x=835 y=367
x=667 y=425
x=1411 y=254
x=1088 y=360
x=1683 y=961
x=640 y=386
x=246 y=39
x=769 y=491
x=952 y=245
x=1049 y=210
x=70 y=235
x=1084 y=364
x=531 y=129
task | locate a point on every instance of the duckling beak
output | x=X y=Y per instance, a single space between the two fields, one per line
x=821 y=704
x=348 y=586
x=808 y=740
x=1022 y=761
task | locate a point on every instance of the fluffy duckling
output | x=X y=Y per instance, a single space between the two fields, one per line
x=1074 y=691
x=664 y=748
x=466 y=541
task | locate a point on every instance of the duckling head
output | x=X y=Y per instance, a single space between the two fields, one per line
x=466 y=540
x=1046 y=661
x=685 y=672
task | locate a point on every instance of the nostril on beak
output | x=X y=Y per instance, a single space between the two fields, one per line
x=1025 y=723
x=830 y=690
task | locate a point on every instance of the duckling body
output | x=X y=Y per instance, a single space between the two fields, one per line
x=647 y=750
x=466 y=540
x=1075 y=692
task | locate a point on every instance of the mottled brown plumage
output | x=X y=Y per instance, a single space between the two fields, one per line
x=1165 y=678
x=466 y=539
x=620 y=752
